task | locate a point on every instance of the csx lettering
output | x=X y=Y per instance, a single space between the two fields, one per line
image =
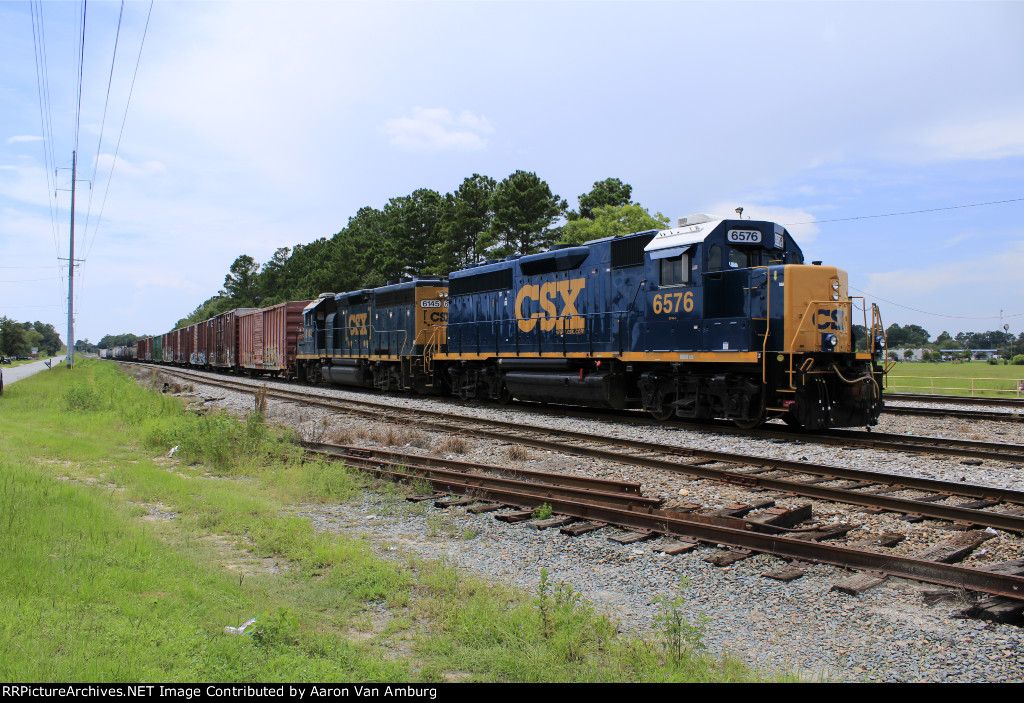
x=566 y=319
x=439 y=317
x=357 y=323
x=833 y=319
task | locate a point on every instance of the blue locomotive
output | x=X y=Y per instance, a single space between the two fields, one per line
x=710 y=319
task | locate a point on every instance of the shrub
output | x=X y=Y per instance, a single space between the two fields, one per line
x=1018 y=360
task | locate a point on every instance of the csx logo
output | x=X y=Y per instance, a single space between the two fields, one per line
x=357 y=323
x=566 y=319
x=829 y=319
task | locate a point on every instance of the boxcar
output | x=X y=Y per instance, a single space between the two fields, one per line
x=267 y=338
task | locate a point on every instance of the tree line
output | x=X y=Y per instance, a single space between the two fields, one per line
x=19 y=338
x=916 y=337
x=427 y=233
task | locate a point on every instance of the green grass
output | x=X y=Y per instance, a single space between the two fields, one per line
x=97 y=588
x=955 y=378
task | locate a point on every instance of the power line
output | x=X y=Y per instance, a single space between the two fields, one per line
x=909 y=212
x=103 y=122
x=937 y=314
x=117 y=149
x=45 y=118
x=81 y=68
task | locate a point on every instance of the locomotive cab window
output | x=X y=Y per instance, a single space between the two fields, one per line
x=738 y=258
x=714 y=258
x=675 y=271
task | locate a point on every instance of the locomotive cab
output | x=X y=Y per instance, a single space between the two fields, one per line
x=744 y=286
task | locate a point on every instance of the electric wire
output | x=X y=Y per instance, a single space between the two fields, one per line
x=113 y=162
x=909 y=212
x=103 y=122
x=937 y=314
x=45 y=117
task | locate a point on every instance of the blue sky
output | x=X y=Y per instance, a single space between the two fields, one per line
x=259 y=125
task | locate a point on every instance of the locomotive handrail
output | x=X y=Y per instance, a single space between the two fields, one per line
x=848 y=303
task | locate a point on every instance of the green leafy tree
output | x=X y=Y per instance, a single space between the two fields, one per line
x=413 y=228
x=466 y=216
x=524 y=211
x=240 y=283
x=12 y=337
x=272 y=282
x=51 y=341
x=364 y=254
x=611 y=192
x=909 y=336
x=611 y=221
x=944 y=341
x=117 y=340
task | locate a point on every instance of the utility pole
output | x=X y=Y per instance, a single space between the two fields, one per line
x=71 y=270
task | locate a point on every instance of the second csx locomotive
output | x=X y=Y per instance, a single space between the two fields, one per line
x=715 y=318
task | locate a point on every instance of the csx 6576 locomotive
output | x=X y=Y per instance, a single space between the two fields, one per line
x=710 y=319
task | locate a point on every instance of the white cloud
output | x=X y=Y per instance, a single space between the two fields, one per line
x=999 y=272
x=124 y=168
x=435 y=128
x=786 y=216
x=23 y=138
x=984 y=140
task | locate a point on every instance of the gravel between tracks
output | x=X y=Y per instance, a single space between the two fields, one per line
x=884 y=634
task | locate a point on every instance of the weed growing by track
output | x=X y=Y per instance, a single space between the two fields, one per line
x=124 y=567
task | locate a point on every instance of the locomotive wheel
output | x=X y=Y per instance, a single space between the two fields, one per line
x=745 y=424
x=504 y=396
x=666 y=412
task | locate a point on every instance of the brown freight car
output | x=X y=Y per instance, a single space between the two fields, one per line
x=267 y=338
x=222 y=339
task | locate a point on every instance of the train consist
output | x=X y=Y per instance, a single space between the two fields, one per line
x=710 y=319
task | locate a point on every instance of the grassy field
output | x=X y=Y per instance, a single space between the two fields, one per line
x=956 y=378
x=117 y=565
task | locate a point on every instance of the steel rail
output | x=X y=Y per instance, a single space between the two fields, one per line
x=542 y=491
x=956 y=399
x=738 y=534
x=960 y=414
x=424 y=461
x=698 y=469
x=919 y=444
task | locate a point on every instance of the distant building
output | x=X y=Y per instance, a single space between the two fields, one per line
x=976 y=354
x=910 y=354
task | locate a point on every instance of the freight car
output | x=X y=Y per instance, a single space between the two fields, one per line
x=268 y=338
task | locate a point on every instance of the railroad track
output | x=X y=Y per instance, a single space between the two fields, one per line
x=979 y=505
x=744 y=529
x=586 y=508
x=960 y=414
x=956 y=399
x=972 y=449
